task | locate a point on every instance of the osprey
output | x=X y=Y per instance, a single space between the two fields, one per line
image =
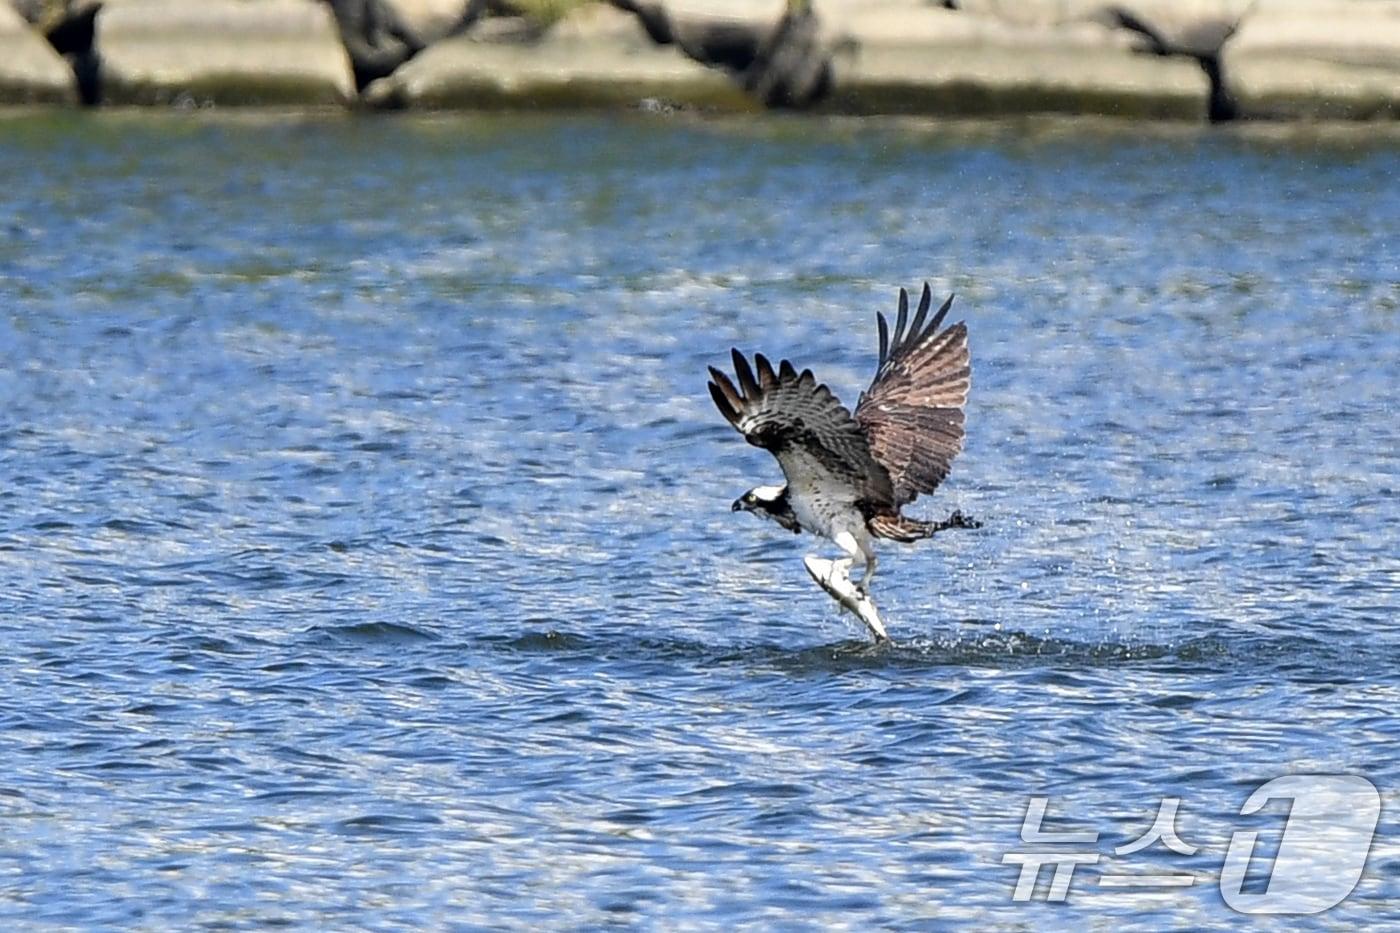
x=850 y=474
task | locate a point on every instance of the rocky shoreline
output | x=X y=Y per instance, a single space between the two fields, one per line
x=1188 y=59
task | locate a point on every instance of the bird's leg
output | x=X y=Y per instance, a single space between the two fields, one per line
x=869 y=575
x=846 y=542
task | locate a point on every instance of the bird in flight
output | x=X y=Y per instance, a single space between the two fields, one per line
x=850 y=474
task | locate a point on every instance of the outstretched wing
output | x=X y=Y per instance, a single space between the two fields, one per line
x=912 y=413
x=802 y=424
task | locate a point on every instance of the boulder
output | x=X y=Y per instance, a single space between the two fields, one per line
x=30 y=70
x=1318 y=59
x=430 y=19
x=893 y=56
x=221 y=52
x=754 y=14
x=594 y=56
x=1274 y=58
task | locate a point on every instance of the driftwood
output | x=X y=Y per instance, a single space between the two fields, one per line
x=375 y=37
x=69 y=26
x=1203 y=41
x=786 y=65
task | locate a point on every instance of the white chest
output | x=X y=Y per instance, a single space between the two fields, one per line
x=825 y=507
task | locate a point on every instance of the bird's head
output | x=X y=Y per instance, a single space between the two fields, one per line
x=760 y=499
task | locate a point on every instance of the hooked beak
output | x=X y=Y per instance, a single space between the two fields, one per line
x=738 y=506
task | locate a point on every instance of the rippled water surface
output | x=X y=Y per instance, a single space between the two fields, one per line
x=366 y=556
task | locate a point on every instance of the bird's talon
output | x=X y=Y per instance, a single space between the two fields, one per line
x=959 y=520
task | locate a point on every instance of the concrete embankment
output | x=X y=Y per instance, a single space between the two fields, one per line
x=1283 y=59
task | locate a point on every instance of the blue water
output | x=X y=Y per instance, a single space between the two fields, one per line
x=366 y=557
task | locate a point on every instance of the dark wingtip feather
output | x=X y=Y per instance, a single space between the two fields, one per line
x=884 y=337
x=731 y=394
x=786 y=371
x=722 y=404
x=766 y=377
x=746 y=380
x=916 y=329
x=942 y=313
x=901 y=319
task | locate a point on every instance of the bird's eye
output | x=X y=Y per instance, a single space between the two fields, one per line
x=748 y=497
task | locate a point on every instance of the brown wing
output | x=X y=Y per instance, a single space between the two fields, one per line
x=913 y=411
x=802 y=424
